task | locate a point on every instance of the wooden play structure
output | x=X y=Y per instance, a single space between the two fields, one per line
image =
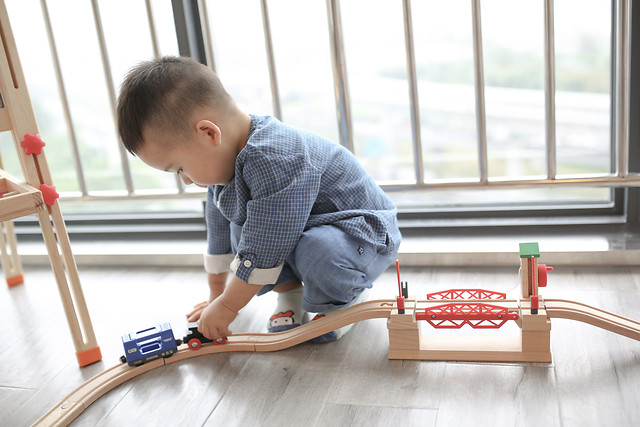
x=452 y=308
x=36 y=195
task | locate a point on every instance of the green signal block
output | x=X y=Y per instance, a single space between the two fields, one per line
x=528 y=250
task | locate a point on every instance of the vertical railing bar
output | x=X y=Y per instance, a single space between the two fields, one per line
x=152 y=29
x=111 y=92
x=156 y=54
x=413 y=91
x=550 y=88
x=75 y=150
x=207 y=36
x=622 y=67
x=273 y=78
x=481 y=121
x=340 y=80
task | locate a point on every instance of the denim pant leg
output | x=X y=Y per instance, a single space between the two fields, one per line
x=286 y=275
x=335 y=267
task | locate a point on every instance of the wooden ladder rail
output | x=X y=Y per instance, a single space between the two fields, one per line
x=18 y=116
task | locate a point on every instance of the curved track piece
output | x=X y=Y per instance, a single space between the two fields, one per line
x=76 y=402
x=565 y=309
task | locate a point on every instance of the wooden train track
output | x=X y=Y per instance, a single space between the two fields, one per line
x=565 y=309
x=76 y=402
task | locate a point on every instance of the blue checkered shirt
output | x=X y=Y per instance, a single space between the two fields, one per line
x=287 y=181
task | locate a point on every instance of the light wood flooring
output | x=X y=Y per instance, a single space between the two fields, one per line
x=594 y=379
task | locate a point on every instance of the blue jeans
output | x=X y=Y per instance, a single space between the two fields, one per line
x=334 y=266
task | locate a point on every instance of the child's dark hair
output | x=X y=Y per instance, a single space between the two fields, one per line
x=164 y=93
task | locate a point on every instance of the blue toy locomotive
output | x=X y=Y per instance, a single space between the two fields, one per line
x=158 y=341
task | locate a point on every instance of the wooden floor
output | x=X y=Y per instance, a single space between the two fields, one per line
x=594 y=379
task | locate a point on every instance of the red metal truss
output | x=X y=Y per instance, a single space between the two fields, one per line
x=476 y=315
x=466 y=294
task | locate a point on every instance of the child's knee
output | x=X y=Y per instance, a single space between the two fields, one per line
x=328 y=247
x=335 y=267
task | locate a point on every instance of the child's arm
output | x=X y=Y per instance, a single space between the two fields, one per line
x=217 y=283
x=216 y=317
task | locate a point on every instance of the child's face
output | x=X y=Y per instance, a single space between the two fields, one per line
x=202 y=160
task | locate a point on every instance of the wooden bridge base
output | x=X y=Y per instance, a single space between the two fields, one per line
x=532 y=344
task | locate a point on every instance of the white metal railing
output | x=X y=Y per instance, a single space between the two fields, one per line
x=620 y=177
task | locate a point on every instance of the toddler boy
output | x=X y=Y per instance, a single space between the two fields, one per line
x=287 y=210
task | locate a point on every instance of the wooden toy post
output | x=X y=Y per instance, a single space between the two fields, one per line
x=36 y=196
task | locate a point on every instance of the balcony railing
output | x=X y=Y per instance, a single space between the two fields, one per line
x=619 y=174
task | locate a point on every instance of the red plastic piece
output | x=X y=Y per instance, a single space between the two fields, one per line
x=542 y=274
x=534 y=289
x=195 y=344
x=32 y=144
x=15 y=280
x=535 y=303
x=88 y=357
x=400 y=299
x=476 y=315
x=398 y=273
x=49 y=194
x=466 y=294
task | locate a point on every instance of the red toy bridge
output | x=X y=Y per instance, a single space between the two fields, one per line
x=476 y=315
x=466 y=294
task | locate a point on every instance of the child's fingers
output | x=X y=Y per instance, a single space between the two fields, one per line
x=194 y=316
x=208 y=332
x=197 y=310
x=213 y=333
x=222 y=333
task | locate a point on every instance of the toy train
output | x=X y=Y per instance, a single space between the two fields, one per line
x=158 y=341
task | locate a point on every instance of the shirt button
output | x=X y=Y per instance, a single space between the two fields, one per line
x=247 y=263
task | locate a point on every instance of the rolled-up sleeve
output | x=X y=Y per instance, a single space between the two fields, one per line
x=218 y=257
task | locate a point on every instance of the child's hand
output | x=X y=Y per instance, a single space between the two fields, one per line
x=194 y=315
x=215 y=319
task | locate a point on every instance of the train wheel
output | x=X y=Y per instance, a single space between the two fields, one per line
x=220 y=341
x=195 y=344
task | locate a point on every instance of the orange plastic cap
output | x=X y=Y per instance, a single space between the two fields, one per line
x=15 y=280
x=90 y=356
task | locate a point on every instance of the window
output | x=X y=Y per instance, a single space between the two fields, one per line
x=457 y=108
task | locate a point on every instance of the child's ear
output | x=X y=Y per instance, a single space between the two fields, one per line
x=208 y=129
